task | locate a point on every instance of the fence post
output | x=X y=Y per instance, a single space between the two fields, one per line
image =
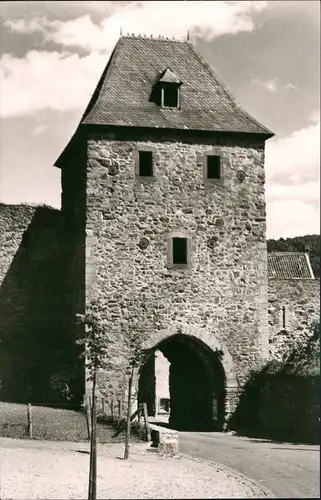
x=29 y=413
x=112 y=407
x=148 y=433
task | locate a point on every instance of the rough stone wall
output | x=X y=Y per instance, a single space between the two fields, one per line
x=301 y=300
x=37 y=350
x=225 y=289
x=14 y=221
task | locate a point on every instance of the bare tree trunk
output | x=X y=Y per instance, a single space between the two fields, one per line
x=88 y=417
x=129 y=410
x=93 y=444
x=94 y=451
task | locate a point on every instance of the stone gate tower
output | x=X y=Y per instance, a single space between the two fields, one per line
x=163 y=186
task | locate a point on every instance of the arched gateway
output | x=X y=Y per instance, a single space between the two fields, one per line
x=202 y=381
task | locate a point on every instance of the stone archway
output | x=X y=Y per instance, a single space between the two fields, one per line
x=202 y=369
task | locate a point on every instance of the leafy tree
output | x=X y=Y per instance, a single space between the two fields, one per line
x=135 y=334
x=95 y=341
x=96 y=345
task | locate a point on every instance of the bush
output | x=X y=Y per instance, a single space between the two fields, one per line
x=120 y=424
x=282 y=399
x=304 y=357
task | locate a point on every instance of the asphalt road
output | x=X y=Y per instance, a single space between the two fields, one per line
x=288 y=470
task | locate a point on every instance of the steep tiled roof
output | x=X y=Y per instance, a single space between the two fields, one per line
x=289 y=265
x=122 y=96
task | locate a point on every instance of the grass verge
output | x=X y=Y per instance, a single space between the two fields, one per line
x=57 y=425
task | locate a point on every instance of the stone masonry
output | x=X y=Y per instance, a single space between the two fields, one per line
x=38 y=355
x=225 y=289
x=294 y=306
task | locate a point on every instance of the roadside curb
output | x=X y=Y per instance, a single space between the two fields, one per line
x=258 y=490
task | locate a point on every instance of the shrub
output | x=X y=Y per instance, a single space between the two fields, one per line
x=282 y=398
x=304 y=357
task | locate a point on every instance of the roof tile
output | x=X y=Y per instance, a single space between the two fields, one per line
x=289 y=265
x=122 y=96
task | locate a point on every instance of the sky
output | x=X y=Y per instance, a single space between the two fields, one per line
x=266 y=52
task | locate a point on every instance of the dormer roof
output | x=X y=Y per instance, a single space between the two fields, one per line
x=168 y=76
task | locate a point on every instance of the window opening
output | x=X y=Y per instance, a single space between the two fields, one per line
x=213 y=167
x=145 y=163
x=170 y=95
x=179 y=250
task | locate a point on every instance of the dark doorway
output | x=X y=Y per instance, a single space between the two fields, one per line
x=196 y=384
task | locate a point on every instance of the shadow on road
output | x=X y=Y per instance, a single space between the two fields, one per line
x=258 y=435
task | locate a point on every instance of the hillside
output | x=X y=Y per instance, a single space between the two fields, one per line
x=311 y=242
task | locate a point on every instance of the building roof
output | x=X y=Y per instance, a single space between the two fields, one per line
x=289 y=265
x=122 y=96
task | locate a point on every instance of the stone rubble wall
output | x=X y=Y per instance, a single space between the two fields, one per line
x=301 y=299
x=225 y=289
x=14 y=221
x=38 y=354
x=47 y=274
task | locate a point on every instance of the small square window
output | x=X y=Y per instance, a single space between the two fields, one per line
x=179 y=250
x=213 y=167
x=145 y=164
x=170 y=95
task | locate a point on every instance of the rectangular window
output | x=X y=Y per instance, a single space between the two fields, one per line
x=179 y=250
x=170 y=95
x=145 y=164
x=213 y=167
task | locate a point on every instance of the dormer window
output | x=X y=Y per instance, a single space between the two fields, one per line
x=170 y=95
x=166 y=92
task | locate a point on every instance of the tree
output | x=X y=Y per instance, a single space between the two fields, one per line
x=135 y=333
x=95 y=342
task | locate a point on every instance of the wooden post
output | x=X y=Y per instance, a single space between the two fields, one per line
x=139 y=413
x=88 y=418
x=29 y=413
x=112 y=407
x=129 y=409
x=120 y=410
x=134 y=415
x=148 y=433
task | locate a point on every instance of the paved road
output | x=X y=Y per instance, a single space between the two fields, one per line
x=288 y=470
